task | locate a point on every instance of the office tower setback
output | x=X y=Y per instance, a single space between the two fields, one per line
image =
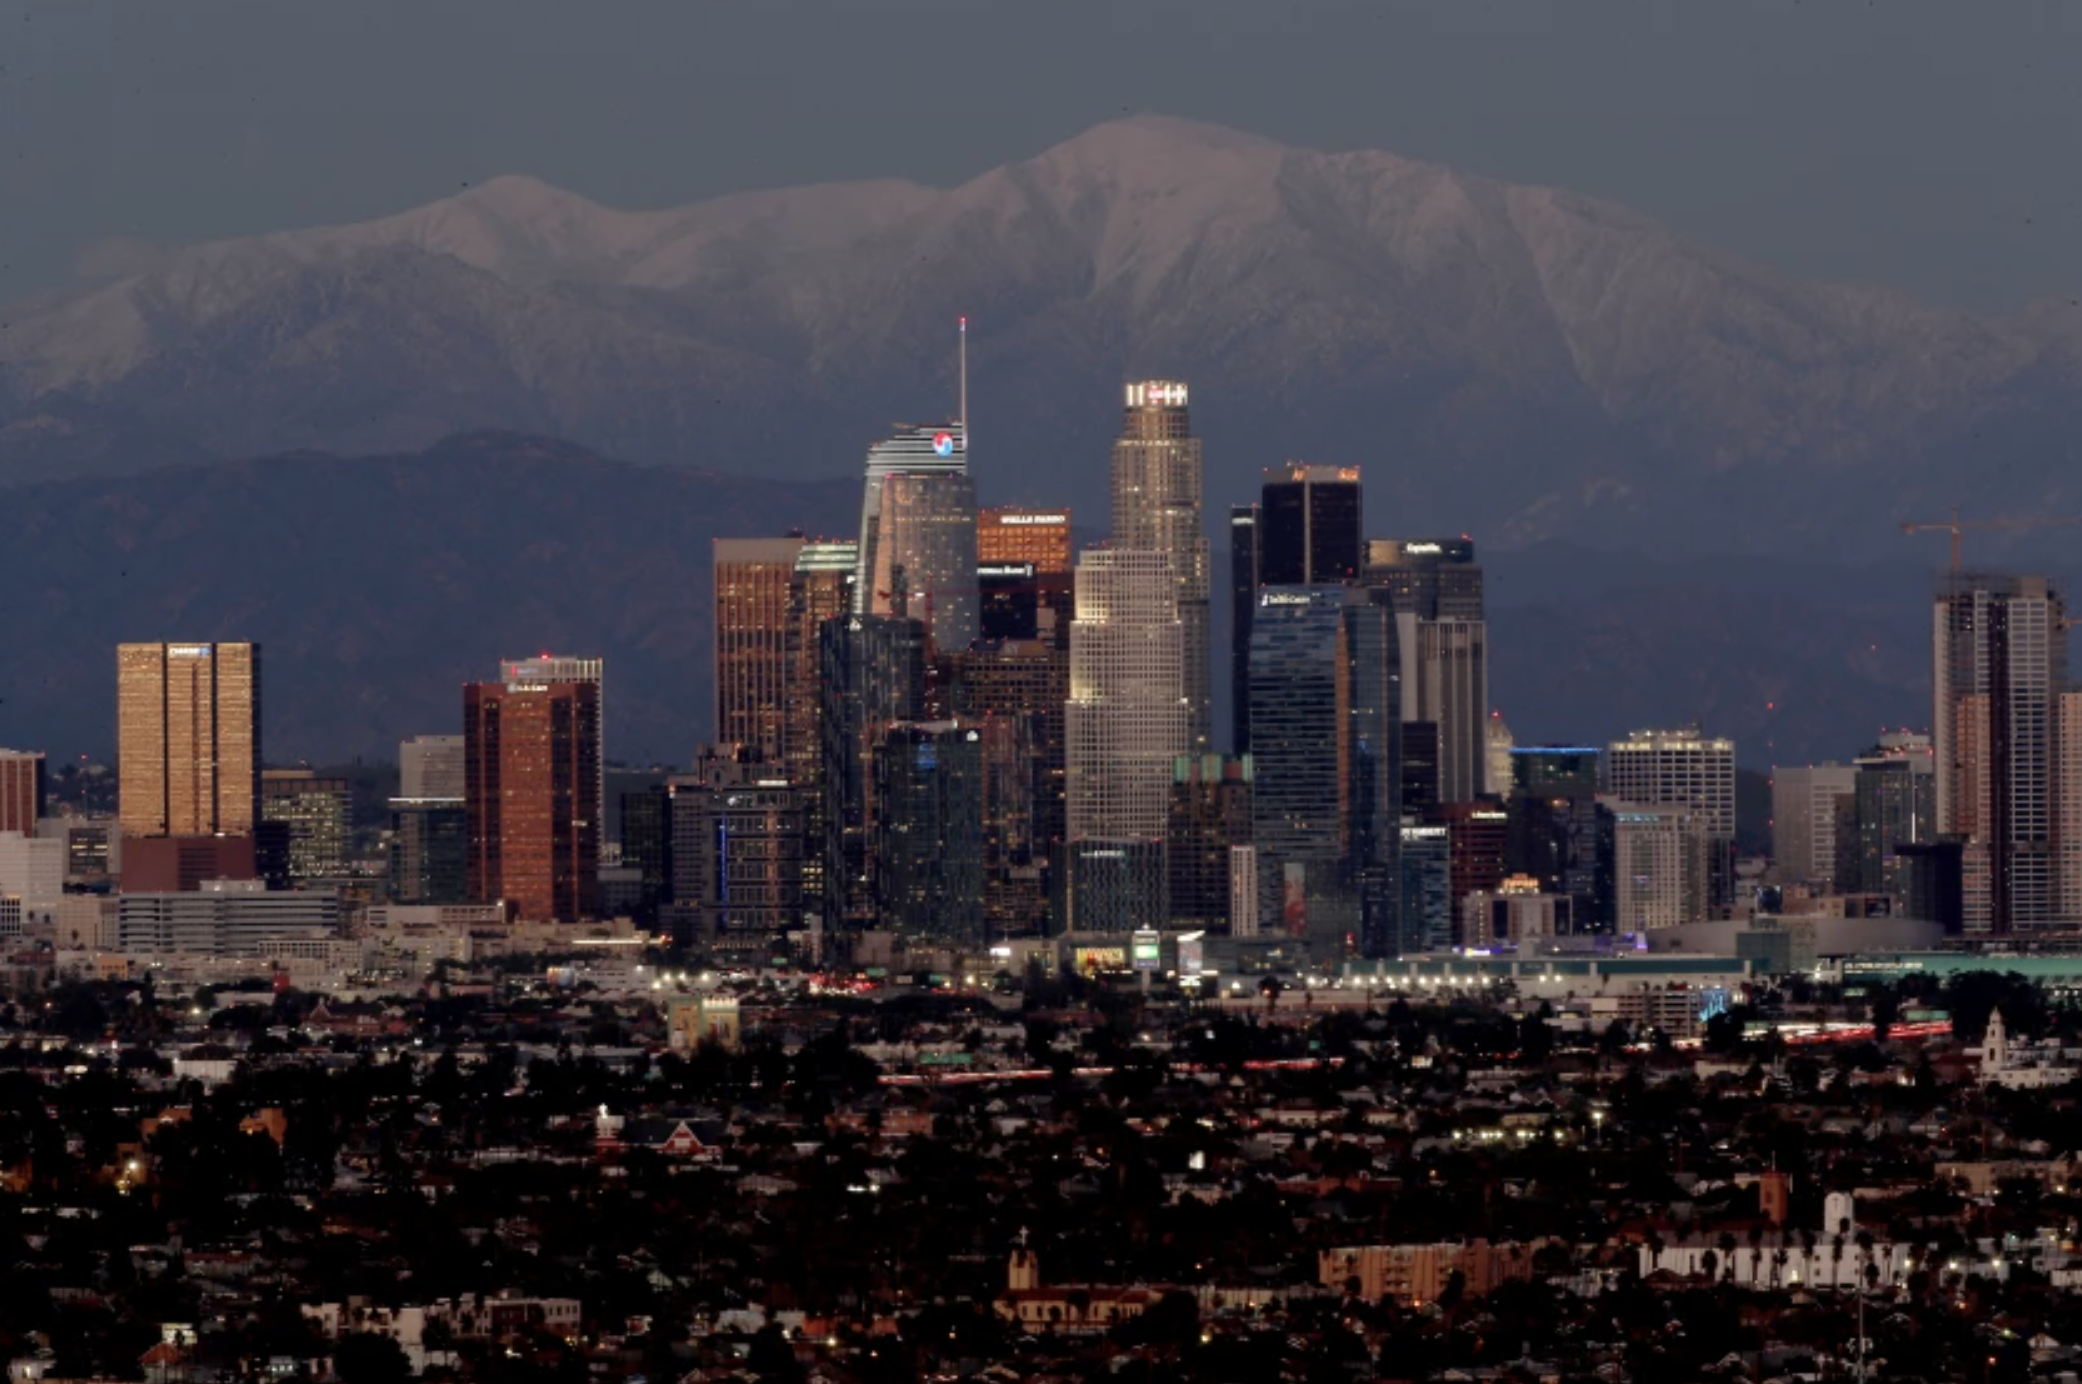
x=188 y=738
x=2000 y=663
x=531 y=794
x=1156 y=508
x=929 y=848
x=1896 y=790
x=1436 y=589
x=1210 y=817
x=1326 y=751
x=429 y=851
x=1689 y=769
x=1814 y=825
x=739 y=836
x=22 y=787
x=431 y=766
x=315 y=816
x=1243 y=600
x=874 y=677
x=1126 y=718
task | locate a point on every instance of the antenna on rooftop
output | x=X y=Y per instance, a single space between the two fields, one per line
x=962 y=404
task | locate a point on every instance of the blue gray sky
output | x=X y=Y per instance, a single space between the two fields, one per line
x=1922 y=143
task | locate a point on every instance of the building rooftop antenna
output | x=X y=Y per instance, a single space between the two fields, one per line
x=962 y=403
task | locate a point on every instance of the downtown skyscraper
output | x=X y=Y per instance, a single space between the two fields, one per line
x=1999 y=646
x=188 y=738
x=1304 y=531
x=532 y=796
x=1157 y=508
x=1436 y=589
x=918 y=533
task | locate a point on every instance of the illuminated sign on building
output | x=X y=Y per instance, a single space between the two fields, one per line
x=1285 y=598
x=943 y=444
x=1157 y=394
x=1006 y=569
x=188 y=650
x=1025 y=520
x=1149 y=950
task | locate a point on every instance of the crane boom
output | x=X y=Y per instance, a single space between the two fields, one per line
x=1957 y=526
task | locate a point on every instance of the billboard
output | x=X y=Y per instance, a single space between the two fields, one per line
x=1149 y=950
x=1294 y=898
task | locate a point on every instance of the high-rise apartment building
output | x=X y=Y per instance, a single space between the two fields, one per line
x=1814 y=824
x=22 y=788
x=1326 y=725
x=188 y=738
x=431 y=766
x=1896 y=788
x=1661 y=859
x=1559 y=833
x=2000 y=664
x=531 y=795
x=918 y=533
x=315 y=816
x=1689 y=769
x=1436 y=589
x=1157 y=508
x=1126 y=718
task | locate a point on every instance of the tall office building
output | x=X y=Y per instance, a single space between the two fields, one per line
x=1326 y=725
x=188 y=738
x=755 y=661
x=429 y=850
x=553 y=668
x=1814 y=825
x=1308 y=526
x=918 y=533
x=1210 y=817
x=1303 y=532
x=1896 y=789
x=2000 y=663
x=431 y=766
x=929 y=831
x=1156 y=508
x=738 y=839
x=1243 y=600
x=1559 y=833
x=873 y=677
x=532 y=796
x=1023 y=573
x=22 y=787
x=1689 y=769
x=1436 y=588
x=1014 y=692
x=1126 y=719
x=315 y=816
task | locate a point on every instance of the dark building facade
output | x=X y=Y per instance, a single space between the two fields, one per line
x=1326 y=801
x=874 y=677
x=1210 y=813
x=1243 y=600
x=429 y=850
x=930 y=795
x=739 y=835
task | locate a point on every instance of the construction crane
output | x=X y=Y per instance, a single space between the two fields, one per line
x=1957 y=526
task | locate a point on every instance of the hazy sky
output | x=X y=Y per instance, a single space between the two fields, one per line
x=1925 y=143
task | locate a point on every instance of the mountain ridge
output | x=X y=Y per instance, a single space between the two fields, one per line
x=1524 y=362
